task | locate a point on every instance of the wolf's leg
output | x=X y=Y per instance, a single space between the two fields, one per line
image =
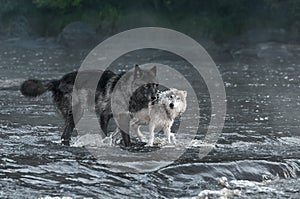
x=111 y=140
x=126 y=138
x=151 y=130
x=137 y=131
x=167 y=131
x=114 y=135
x=124 y=122
x=173 y=138
x=68 y=129
x=70 y=120
x=104 y=119
x=139 y=134
x=64 y=104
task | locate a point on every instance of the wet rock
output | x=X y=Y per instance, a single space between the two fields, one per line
x=264 y=35
x=267 y=51
x=273 y=51
x=261 y=43
x=78 y=35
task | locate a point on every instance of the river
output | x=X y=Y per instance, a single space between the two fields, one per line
x=257 y=155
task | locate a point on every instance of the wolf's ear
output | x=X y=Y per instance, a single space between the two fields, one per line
x=184 y=93
x=153 y=70
x=137 y=71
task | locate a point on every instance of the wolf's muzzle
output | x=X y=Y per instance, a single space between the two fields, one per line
x=171 y=105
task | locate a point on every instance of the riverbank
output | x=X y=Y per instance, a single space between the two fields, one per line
x=79 y=38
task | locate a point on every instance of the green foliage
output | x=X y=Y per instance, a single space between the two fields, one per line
x=61 y=4
x=216 y=19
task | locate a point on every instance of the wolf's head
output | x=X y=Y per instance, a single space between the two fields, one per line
x=145 y=81
x=174 y=100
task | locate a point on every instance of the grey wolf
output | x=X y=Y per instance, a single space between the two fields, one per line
x=63 y=92
x=134 y=89
x=160 y=113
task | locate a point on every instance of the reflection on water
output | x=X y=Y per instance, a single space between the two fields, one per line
x=257 y=154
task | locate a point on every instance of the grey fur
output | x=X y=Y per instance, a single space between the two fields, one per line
x=161 y=114
x=62 y=92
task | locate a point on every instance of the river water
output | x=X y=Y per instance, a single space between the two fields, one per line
x=257 y=154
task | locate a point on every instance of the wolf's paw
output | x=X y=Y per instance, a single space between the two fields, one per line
x=172 y=138
x=109 y=140
x=65 y=142
x=149 y=145
x=143 y=139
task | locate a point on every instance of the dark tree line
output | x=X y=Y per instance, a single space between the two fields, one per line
x=217 y=19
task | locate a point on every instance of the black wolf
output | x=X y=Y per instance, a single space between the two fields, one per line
x=64 y=90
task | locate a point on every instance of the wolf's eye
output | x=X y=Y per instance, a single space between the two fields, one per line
x=171 y=96
x=178 y=98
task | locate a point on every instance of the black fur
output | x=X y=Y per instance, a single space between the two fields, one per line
x=139 y=99
x=142 y=96
x=34 y=88
x=62 y=96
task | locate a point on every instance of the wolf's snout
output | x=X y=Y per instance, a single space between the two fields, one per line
x=171 y=105
x=151 y=95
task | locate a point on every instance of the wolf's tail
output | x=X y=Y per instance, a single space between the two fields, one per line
x=34 y=87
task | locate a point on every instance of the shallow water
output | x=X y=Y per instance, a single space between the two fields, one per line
x=256 y=156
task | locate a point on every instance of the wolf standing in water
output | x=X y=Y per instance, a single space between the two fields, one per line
x=62 y=92
x=160 y=114
x=117 y=95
